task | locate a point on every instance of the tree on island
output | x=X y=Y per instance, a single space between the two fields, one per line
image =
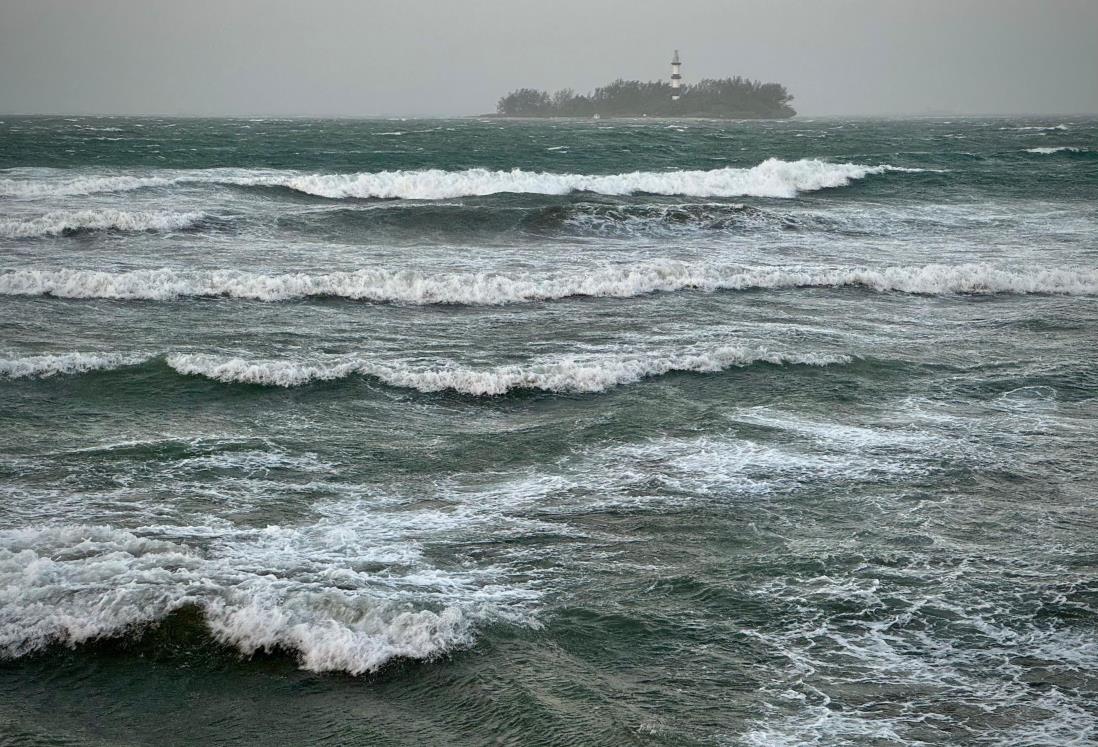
x=724 y=98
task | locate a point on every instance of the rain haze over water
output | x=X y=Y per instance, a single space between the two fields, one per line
x=845 y=57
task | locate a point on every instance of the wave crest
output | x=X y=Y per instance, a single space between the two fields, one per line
x=81 y=185
x=620 y=281
x=563 y=375
x=71 y=221
x=771 y=178
x=44 y=366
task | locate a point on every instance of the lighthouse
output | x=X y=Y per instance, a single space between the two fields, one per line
x=676 y=77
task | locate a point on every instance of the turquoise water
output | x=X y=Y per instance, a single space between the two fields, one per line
x=616 y=432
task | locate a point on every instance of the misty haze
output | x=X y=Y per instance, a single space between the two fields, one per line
x=272 y=57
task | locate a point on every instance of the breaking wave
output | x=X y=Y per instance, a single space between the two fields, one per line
x=771 y=178
x=567 y=374
x=622 y=281
x=81 y=185
x=43 y=366
x=562 y=374
x=71 y=221
x=252 y=594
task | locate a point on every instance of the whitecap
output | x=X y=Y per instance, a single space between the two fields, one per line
x=65 y=221
x=44 y=366
x=563 y=374
x=1060 y=149
x=616 y=281
x=771 y=178
x=278 y=588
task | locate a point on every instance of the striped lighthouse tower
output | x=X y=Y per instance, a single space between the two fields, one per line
x=676 y=77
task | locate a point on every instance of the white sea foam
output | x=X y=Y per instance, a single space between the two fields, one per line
x=254 y=461
x=1036 y=128
x=64 y=221
x=771 y=178
x=685 y=470
x=1060 y=149
x=667 y=469
x=309 y=589
x=367 y=637
x=620 y=281
x=44 y=366
x=258 y=590
x=562 y=374
x=920 y=625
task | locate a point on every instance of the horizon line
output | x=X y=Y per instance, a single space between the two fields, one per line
x=397 y=117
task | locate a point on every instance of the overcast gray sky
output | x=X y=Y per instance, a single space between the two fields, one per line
x=448 y=57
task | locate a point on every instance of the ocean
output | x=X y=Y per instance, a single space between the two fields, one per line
x=617 y=432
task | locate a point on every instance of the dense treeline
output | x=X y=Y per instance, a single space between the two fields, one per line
x=725 y=98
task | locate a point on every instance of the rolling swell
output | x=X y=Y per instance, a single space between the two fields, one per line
x=595 y=219
x=624 y=281
x=771 y=178
x=473 y=220
x=572 y=219
x=562 y=374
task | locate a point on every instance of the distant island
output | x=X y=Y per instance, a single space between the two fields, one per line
x=724 y=98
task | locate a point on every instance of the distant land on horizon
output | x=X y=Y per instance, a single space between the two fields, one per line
x=724 y=98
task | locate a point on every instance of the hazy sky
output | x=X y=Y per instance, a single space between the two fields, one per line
x=426 y=57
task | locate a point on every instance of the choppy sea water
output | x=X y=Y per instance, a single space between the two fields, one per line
x=617 y=432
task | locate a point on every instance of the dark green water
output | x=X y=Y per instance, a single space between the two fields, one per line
x=346 y=432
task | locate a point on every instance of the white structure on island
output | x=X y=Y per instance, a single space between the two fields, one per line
x=676 y=76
